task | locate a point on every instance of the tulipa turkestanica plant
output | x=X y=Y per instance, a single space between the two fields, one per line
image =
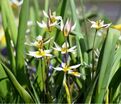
x=58 y=57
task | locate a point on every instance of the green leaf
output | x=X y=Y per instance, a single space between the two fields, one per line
x=106 y=64
x=10 y=20
x=24 y=13
x=23 y=93
x=3 y=83
x=8 y=37
x=10 y=51
x=78 y=36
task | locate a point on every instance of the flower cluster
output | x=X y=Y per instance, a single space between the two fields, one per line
x=54 y=21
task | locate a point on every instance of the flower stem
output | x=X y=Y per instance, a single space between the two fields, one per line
x=67 y=90
x=93 y=54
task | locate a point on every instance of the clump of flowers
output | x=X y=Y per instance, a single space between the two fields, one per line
x=40 y=42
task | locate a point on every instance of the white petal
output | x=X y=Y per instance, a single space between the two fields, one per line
x=94 y=25
x=47 y=51
x=34 y=54
x=42 y=25
x=65 y=45
x=72 y=49
x=92 y=22
x=45 y=14
x=62 y=25
x=58 y=69
x=47 y=54
x=57 y=47
x=63 y=65
x=75 y=66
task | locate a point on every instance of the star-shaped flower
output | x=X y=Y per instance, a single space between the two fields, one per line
x=40 y=53
x=67 y=28
x=52 y=20
x=40 y=42
x=99 y=24
x=65 y=48
x=68 y=69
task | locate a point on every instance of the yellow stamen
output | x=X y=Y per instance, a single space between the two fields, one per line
x=66 y=68
x=64 y=49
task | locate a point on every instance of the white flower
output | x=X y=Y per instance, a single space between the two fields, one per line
x=40 y=42
x=65 y=48
x=68 y=69
x=40 y=53
x=67 y=28
x=16 y=2
x=46 y=25
x=99 y=24
x=52 y=16
x=52 y=20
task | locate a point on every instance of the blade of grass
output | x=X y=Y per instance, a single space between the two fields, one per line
x=115 y=82
x=3 y=83
x=106 y=64
x=10 y=51
x=78 y=36
x=10 y=20
x=23 y=93
x=36 y=13
x=91 y=91
x=24 y=13
x=8 y=40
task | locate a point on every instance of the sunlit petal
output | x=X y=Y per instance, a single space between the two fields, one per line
x=45 y=14
x=75 y=66
x=77 y=74
x=42 y=25
x=65 y=45
x=58 y=68
x=35 y=54
x=57 y=47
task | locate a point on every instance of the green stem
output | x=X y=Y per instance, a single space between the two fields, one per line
x=93 y=54
x=67 y=90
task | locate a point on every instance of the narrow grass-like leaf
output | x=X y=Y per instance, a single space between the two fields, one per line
x=36 y=14
x=3 y=83
x=106 y=64
x=35 y=93
x=10 y=20
x=11 y=51
x=39 y=75
x=115 y=82
x=23 y=93
x=91 y=91
x=8 y=39
x=78 y=36
x=24 y=13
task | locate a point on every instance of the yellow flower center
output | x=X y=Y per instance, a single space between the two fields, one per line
x=42 y=53
x=66 y=68
x=52 y=20
x=64 y=50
